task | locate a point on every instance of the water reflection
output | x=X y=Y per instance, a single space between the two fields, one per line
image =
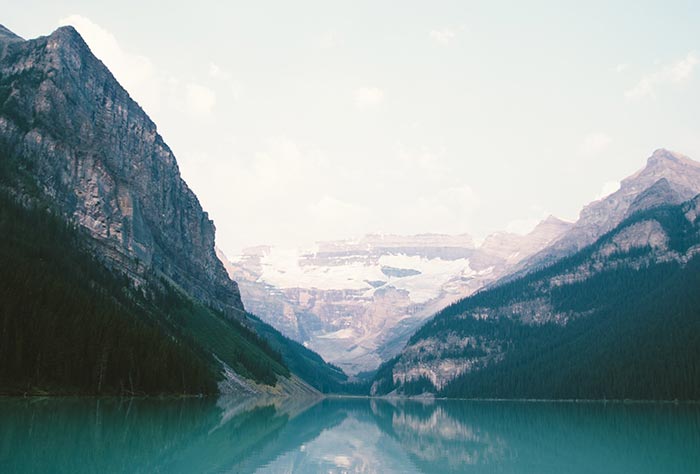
x=344 y=435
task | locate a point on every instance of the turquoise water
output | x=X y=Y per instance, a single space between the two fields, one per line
x=345 y=435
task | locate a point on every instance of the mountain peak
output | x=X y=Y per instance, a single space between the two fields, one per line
x=68 y=35
x=66 y=30
x=552 y=219
x=7 y=35
x=664 y=157
x=680 y=171
x=551 y=225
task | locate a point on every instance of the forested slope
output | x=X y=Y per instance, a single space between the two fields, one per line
x=619 y=319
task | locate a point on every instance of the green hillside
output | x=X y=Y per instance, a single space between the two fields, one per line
x=642 y=343
x=70 y=325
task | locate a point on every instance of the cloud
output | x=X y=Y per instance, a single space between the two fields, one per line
x=594 y=143
x=461 y=197
x=454 y=205
x=281 y=167
x=152 y=88
x=217 y=73
x=681 y=70
x=675 y=73
x=284 y=192
x=344 y=218
x=273 y=186
x=608 y=188
x=200 y=99
x=424 y=158
x=328 y=40
x=523 y=226
x=366 y=97
x=621 y=67
x=443 y=36
x=330 y=207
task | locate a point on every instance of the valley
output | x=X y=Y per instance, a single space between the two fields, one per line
x=380 y=315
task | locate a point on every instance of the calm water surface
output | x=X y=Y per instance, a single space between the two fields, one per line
x=345 y=435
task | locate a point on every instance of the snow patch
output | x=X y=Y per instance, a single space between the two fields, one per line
x=434 y=273
x=282 y=268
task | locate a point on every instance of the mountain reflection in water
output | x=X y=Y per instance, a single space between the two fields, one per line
x=74 y=435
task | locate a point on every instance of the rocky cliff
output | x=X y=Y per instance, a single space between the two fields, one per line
x=74 y=136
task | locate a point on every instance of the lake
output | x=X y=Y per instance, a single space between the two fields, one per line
x=335 y=435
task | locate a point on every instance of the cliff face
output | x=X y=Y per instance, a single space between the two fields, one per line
x=88 y=147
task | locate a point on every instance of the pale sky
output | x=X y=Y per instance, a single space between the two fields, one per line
x=302 y=121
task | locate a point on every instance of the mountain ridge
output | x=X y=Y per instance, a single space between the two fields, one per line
x=476 y=345
x=356 y=302
x=681 y=173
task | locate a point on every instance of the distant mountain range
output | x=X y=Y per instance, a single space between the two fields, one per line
x=357 y=302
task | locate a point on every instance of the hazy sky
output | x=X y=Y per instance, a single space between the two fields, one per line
x=302 y=121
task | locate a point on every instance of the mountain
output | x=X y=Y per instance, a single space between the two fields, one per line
x=668 y=177
x=620 y=318
x=110 y=280
x=356 y=302
x=89 y=147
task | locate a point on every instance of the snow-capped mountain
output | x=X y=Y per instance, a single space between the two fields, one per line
x=356 y=302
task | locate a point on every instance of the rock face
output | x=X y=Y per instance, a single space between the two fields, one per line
x=94 y=153
x=357 y=302
x=668 y=177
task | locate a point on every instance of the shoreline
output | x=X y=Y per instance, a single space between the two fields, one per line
x=355 y=397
